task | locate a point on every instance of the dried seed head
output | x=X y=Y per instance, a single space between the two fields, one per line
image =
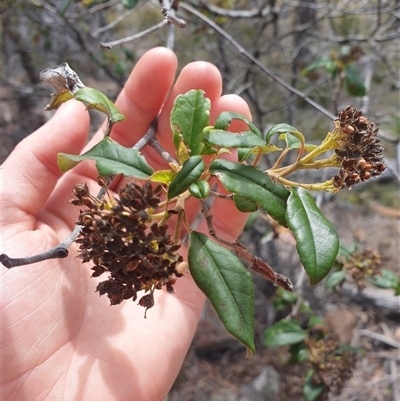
x=358 y=150
x=332 y=365
x=361 y=265
x=120 y=242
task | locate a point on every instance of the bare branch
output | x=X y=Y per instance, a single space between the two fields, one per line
x=112 y=24
x=58 y=252
x=150 y=138
x=170 y=16
x=102 y=6
x=254 y=12
x=110 y=45
x=268 y=72
x=81 y=39
x=222 y=196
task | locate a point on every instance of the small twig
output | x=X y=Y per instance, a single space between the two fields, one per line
x=257 y=264
x=257 y=62
x=168 y=11
x=110 y=45
x=163 y=153
x=58 y=252
x=389 y=354
x=113 y=23
x=280 y=158
x=82 y=39
x=170 y=16
x=101 y=6
x=252 y=13
x=379 y=337
x=150 y=138
x=219 y=195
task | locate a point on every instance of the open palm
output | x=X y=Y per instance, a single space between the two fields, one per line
x=60 y=340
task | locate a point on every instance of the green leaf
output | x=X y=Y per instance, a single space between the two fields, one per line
x=315 y=321
x=245 y=153
x=244 y=205
x=317 y=241
x=111 y=158
x=312 y=391
x=387 y=279
x=99 y=101
x=294 y=143
x=129 y=4
x=189 y=116
x=253 y=185
x=208 y=150
x=319 y=62
x=224 y=280
x=284 y=129
x=335 y=279
x=284 y=332
x=298 y=353
x=225 y=119
x=220 y=138
x=163 y=176
x=333 y=68
x=283 y=298
x=346 y=251
x=200 y=189
x=354 y=82
x=120 y=67
x=397 y=289
x=191 y=171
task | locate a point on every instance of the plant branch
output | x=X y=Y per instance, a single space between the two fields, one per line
x=61 y=250
x=150 y=138
x=219 y=195
x=254 y=60
x=58 y=252
x=254 y=12
x=110 y=45
x=82 y=40
x=169 y=19
x=113 y=23
x=257 y=264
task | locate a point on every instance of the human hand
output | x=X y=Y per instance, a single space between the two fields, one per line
x=60 y=341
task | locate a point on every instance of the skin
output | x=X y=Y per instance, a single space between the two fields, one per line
x=59 y=339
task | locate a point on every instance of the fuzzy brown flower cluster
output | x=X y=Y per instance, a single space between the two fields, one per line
x=361 y=265
x=331 y=363
x=117 y=238
x=359 y=151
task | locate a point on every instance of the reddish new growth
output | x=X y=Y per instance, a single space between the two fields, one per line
x=359 y=151
x=117 y=237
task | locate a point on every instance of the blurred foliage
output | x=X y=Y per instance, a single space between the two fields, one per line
x=286 y=38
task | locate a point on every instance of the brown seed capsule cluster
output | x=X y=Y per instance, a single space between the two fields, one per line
x=359 y=150
x=362 y=265
x=117 y=238
x=332 y=365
